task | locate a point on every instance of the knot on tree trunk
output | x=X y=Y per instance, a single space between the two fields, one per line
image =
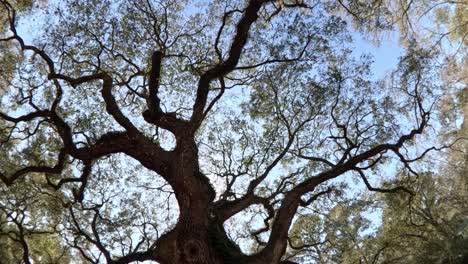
x=193 y=251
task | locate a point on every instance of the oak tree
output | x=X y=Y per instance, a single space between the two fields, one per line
x=151 y=130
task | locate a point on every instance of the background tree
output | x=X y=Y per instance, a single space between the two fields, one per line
x=182 y=132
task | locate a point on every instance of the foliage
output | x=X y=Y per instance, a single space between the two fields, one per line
x=193 y=131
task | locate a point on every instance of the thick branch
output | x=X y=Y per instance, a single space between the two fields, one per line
x=238 y=43
x=57 y=169
x=153 y=100
x=226 y=209
x=154 y=114
x=277 y=242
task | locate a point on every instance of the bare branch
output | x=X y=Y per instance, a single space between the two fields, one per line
x=382 y=190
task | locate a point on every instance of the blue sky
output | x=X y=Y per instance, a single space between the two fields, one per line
x=385 y=53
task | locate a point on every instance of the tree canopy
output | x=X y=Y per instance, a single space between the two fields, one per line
x=231 y=132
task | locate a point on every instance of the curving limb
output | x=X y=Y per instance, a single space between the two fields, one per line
x=238 y=42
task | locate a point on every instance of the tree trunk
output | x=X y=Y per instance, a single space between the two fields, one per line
x=199 y=236
x=189 y=241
